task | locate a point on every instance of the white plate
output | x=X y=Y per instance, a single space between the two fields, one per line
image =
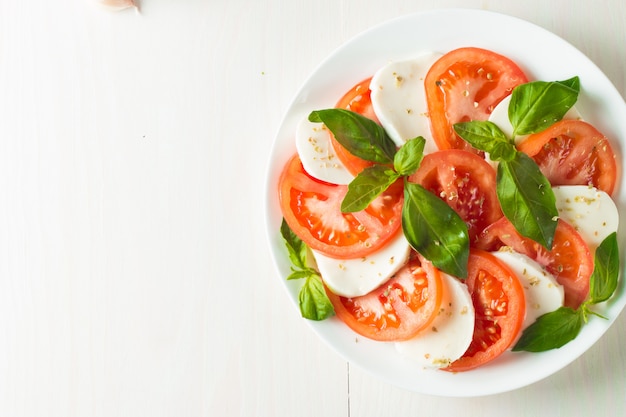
x=543 y=56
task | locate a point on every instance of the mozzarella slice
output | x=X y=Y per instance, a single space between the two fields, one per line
x=356 y=277
x=449 y=335
x=541 y=290
x=590 y=211
x=317 y=154
x=399 y=99
x=500 y=116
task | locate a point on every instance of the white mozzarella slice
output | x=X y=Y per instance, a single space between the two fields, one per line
x=451 y=332
x=541 y=290
x=356 y=277
x=399 y=99
x=500 y=116
x=317 y=154
x=590 y=211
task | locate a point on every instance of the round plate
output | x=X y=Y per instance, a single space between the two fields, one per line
x=541 y=55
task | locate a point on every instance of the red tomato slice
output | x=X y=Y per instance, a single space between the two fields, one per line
x=359 y=101
x=466 y=182
x=312 y=209
x=570 y=260
x=466 y=84
x=500 y=308
x=398 y=309
x=573 y=152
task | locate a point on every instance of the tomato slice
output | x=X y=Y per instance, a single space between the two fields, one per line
x=569 y=260
x=466 y=182
x=573 y=152
x=398 y=309
x=500 y=308
x=359 y=101
x=312 y=209
x=466 y=84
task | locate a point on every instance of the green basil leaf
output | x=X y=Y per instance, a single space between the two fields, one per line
x=296 y=248
x=435 y=230
x=573 y=83
x=536 y=105
x=527 y=199
x=409 y=156
x=605 y=274
x=301 y=273
x=361 y=136
x=551 y=331
x=314 y=303
x=487 y=136
x=366 y=186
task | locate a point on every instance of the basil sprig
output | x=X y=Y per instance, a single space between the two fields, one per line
x=524 y=193
x=312 y=298
x=430 y=226
x=374 y=180
x=555 y=329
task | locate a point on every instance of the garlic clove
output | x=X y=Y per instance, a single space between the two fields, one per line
x=117 y=5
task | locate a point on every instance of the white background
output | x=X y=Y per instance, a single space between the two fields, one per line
x=135 y=277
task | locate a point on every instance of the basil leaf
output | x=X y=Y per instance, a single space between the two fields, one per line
x=366 y=186
x=603 y=281
x=527 y=199
x=409 y=156
x=361 y=136
x=573 y=83
x=314 y=303
x=555 y=329
x=551 y=331
x=536 y=105
x=301 y=273
x=296 y=248
x=487 y=136
x=435 y=230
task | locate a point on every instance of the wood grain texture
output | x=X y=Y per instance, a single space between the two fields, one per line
x=135 y=278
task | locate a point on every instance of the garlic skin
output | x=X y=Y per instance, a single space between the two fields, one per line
x=117 y=5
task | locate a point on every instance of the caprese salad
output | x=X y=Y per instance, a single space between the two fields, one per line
x=453 y=207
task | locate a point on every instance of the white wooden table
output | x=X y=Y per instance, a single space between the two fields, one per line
x=135 y=279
